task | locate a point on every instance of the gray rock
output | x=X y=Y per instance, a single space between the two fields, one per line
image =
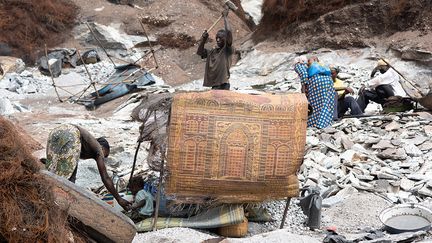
x=347 y=191
x=412 y=150
x=6 y=107
x=330 y=130
x=344 y=76
x=346 y=142
x=396 y=142
x=426 y=146
x=316 y=156
x=112 y=38
x=383 y=144
x=332 y=162
x=412 y=124
x=331 y=201
x=392 y=126
x=395 y=154
x=428 y=130
x=365 y=177
x=312 y=140
x=416 y=141
x=352 y=156
x=372 y=140
x=332 y=147
x=425 y=191
x=406 y=184
x=387 y=176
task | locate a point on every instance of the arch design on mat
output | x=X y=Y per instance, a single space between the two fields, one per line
x=236 y=153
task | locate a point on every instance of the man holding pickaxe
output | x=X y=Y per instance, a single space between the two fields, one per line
x=219 y=58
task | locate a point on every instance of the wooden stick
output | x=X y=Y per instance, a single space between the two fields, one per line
x=92 y=83
x=51 y=75
x=288 y=201
x=410 y=82
x=135 y=159
x=100 y=44
x=161 y=174
x=150 y=45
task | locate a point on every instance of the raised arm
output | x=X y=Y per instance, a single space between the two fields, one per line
x=228 y=31
x=202 y=52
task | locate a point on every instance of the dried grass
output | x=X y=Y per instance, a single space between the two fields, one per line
x=26 y=25
x=27 y=209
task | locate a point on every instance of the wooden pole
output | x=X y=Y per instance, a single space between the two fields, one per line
x=92 y=83
x=410 y=82
x=100 y=44
x=51 y=75
x=135 y=159
x=288 y=201
x=161 y=175
x=149 y=42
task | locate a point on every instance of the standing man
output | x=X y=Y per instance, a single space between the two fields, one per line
x=381 y=87
x=69 y=143
x=219 y=59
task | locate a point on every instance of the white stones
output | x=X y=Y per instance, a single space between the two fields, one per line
x=406 y=184
x=383 y=144
x=316 y=156
x=312 y=140
x=392 y=126
x=352 y=156
x=412 y=150
x=395 y=154
x=428 y=130
x=6 y=107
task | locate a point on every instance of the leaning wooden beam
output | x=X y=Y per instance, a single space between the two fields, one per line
x=414 y=85
x=100 y=44
x=92 y=83
x=288 y=201
x=161 y=175
x=51 y=75
x=149 y=42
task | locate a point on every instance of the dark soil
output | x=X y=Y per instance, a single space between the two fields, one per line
x=341 y=23
x=181 y=41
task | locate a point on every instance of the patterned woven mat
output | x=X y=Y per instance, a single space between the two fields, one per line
x=236 y=148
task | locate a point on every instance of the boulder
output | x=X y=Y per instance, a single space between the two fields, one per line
x=112 y=38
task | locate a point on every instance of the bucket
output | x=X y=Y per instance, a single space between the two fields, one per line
x=236 y=230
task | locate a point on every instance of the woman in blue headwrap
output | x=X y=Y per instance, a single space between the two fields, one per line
x=318 y=85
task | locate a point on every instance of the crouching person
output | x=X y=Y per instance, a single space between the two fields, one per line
x=143 y=206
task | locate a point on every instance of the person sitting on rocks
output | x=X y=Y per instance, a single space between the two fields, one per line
x=69 y=143
x=381 y=87
x=219 y=59
x=318 y=86
x=142 y=207
x=344 y=102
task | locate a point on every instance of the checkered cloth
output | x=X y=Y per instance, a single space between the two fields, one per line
x=320 y=93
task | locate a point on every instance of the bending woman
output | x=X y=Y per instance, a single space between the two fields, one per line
x=320 y=94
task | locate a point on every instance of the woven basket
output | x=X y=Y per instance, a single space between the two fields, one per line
x=237 y=230
x=235 y=148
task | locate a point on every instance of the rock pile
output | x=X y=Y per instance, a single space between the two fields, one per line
x=388 y=154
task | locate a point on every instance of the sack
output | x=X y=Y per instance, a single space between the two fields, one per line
x=316 y=68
